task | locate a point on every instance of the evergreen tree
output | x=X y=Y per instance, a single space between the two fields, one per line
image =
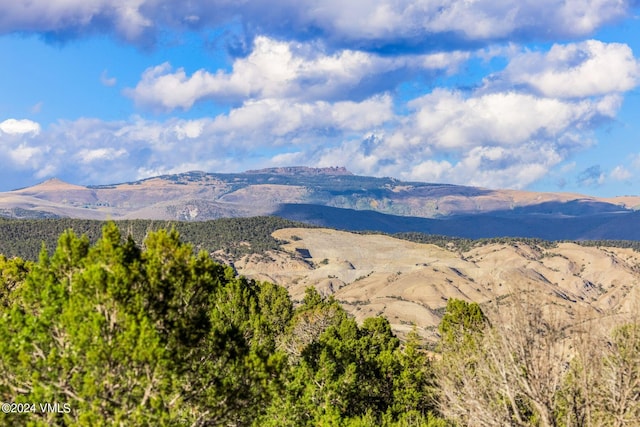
x=129 y=335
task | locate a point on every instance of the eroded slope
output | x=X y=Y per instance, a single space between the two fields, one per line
x=410 y=283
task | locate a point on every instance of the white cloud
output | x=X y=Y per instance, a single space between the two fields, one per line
x=362 y=160
x=486 y=19
x=293 y=107
x=317 y=85
x=269 y=118
x=502 y=139
x=19 y=127
x=124 y=17
x=190 y=129
x=447 y=120
x=497 y=140
x=92 y=151
x=161 y=89
x=576 y=70
x=505 y=167
x=620 y=173
x=493 y=140
x=431 y=171
x=491 y=166
x=25 y=155
x=106 y=80
x=358 y=22
x=294 y=158
x=274 y=69
x=99 y=154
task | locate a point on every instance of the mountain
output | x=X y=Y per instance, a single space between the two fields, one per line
x=337 y=198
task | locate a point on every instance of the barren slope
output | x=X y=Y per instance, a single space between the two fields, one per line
x=410 y=283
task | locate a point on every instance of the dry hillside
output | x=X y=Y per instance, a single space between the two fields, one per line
x=200 y=196
x=410 y=283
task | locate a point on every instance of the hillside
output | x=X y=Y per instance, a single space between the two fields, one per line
x=125 y=315
x=408 y=278
x=410 y=283
x=234 y=236
x=333 y=197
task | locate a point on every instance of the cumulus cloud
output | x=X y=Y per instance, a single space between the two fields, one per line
x=296 y=103
x=504 y=139
x=87 y=155
x=276 y=69
x=448 y=120
x=501 y=139
x=497 y=140
x=19 y=127
x=93 y=151
x=67 y=18
x=24 y=156
x=505 y=167
x=576 y=70
x=368 y=24
x=620 y=173
x=281 y=121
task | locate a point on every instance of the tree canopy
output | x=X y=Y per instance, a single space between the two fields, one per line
x=115 y=332
x=120 y=333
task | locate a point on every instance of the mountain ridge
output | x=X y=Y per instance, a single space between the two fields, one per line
x=323 y=196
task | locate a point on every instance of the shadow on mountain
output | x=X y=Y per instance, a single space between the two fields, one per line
x=570 y=208
x=620 y=225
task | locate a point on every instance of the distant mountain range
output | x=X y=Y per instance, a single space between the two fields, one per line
x=336 y=198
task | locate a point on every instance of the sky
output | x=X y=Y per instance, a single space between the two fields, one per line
x=538 y=95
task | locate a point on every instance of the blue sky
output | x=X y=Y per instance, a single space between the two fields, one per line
x=539 y=95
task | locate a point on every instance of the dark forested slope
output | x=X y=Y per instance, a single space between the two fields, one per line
x=236 y=236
